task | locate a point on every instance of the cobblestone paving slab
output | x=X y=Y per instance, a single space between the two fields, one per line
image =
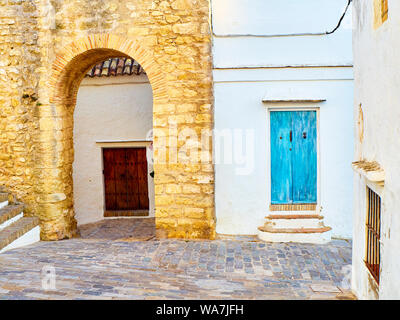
x=122 y=228
x=175 y=269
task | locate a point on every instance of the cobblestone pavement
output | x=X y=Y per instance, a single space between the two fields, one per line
x=121 y=228
x=228 y=268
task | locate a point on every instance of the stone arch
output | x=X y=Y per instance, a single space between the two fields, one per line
x=76 y=58
x=54 y=166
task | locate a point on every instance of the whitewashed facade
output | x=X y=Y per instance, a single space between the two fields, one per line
x=264 y=53
x=111 y=112
x=377 y=130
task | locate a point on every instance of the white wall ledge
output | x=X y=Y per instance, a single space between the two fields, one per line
x=291 y=95
x=370 y=170
x=293 y=100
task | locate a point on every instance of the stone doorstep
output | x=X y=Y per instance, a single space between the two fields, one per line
x=10 y=212
x=126 y=213
x=3 y=196
x=346 y=295
x=294 y=216
x=294 y=230
x=16 y=230
x=326 y=288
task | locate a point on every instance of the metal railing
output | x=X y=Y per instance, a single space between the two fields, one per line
x=373 y=229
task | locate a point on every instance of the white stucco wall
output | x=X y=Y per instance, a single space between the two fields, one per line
x=257 y=35
x=271 y=17
x=110 y=109
x=377 y=82
x=268 y=47
x=242 y=201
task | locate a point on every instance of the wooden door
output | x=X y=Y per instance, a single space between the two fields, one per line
x=125 y=179
x=281 y=162
x=304 y=157
x=293 y=157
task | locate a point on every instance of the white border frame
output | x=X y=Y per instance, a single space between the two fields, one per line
x=128 y=144
x=293 y=106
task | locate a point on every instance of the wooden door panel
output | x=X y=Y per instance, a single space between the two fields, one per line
x=293 y=157
x=281 y=169
x=125 y=179
x=109 y=179
x=142 y=179
x=132 y=178
x=121 y=189
x=304 y=157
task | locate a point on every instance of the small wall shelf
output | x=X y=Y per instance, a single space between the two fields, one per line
x=370 y=170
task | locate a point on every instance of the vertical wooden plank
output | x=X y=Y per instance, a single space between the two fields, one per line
x=376 y=231
x=142 y=179
x=132 y=178
x=304 y=157
x=372 y=228
x=373 y=234
x=370 y=224
x=281 y=169
x=120 y=179
x=379 y=233
x=366 y=225
x=109 y=179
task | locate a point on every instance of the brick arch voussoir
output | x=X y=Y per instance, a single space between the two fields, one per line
x=129 y=47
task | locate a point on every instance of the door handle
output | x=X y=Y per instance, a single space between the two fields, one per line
x=291 y=136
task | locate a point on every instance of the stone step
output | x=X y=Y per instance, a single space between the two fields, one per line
x=10 y=214
x=319 y=235
x=292 y=213
x=294 y=216
x=3 y=199
x=20 y=233
x=294 y=230
x=295 y=221
x=3 y=196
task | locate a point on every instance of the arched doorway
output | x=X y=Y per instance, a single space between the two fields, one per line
x=184 y=192
x=56 y=156
x=112 y=134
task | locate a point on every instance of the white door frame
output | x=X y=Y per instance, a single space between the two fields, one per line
x=150 y=181
x=293 y=106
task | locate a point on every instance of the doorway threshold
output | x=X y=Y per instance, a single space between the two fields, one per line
x=126 y=213
x=293 y=207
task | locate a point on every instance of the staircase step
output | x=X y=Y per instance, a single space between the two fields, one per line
x=294 y=221
x=294 y=230
x=3 y=197
x=294 y=216
x=10 y=212
x=319 y=235
x=293 y=213
x=17 y=230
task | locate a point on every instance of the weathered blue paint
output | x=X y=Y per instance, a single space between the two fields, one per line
x=281 y=164
x=304 y=157
x=293 y=161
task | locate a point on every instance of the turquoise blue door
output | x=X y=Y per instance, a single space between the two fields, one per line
x=293 y=157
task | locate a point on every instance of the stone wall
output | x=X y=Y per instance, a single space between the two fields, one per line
x=19 y=60
x=46 y=48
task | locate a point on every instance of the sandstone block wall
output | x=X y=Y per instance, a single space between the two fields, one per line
x=47 y=46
